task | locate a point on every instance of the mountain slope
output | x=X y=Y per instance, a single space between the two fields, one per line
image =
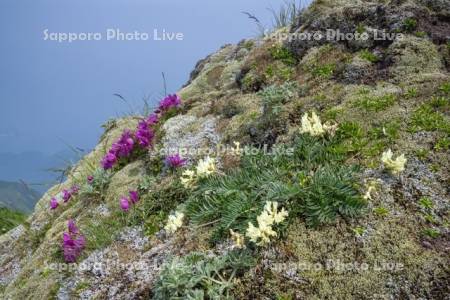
x=17 y=196
x=350 y=220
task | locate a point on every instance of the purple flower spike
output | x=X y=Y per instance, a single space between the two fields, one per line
x=74 y=189
x=80 y=242
x=152 y=119
x=53 y=203
x=144 y=135
x=124 y=204
x=175 y=161
x=124 y=146
x=109 y=161
x=90 y=179
x=73 y=229
x=66 y=195
x=134 y=197
x=73 y=243
x=169 y=101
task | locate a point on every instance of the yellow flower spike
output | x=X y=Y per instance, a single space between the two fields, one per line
x=174 y=222
x=188 y=179
x=313 y=126
x=262 y=234
x=206 y=167
x=238 y=240
x=394 y=165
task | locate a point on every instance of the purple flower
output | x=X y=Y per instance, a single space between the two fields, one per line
x=144 y=135
x=73 y=243
x=175 y=161
x=124 y=146
x=53 y=203
x=124 y=204
x=152 y=119
x=74 y=189
x=67 y=240
x=90 y=179
x=169 y=101
x=72 y=227
x=109 y=160
x=134 y=197
x=80 y=242
x=66 y=195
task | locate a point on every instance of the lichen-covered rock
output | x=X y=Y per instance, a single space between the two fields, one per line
x=413 y=57
x=190 y=136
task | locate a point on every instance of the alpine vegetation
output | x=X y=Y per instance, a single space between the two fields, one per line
x=298 y=194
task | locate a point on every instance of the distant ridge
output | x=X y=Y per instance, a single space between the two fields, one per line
x=17 y=196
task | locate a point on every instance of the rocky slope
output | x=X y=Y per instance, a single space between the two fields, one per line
x=387 y=240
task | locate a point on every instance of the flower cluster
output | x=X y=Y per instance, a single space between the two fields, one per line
x=64 y=196
x=205 y=168
x=188 y=179
x=270 y=216
x=394 y=165
x=169 y=102
x=175 y=161
x=73 y=243
x=143 y=136
x=238 y=240
x=125 y=202
x=174 y=222
x=119 y=149
x=371 y=187
x=313 y=125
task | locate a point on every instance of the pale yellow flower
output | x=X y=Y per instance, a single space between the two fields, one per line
x=188 y=179
x=174 y=222
x=314 y=126
x=269 y=216
x=394 y=165
x=238 y=240
x=330 y=128
x=206 y=167
x=368 y=194
x=253 y=232
x=276 y=216
x=280 y=216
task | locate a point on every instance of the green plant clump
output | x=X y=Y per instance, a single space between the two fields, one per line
x=427 y=118
x=325 y=71
x=309 y=181
x=283 y=54
x=98 y=185
x=410 y=24
x=376 y=103
x=201 y=276
x=432 y=233
x=274 y=96
x=369 y=56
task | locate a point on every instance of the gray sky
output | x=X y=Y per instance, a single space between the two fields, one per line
x=52 y=91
